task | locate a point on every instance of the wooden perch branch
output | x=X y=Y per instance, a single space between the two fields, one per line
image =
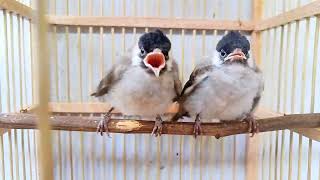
x=89 y=124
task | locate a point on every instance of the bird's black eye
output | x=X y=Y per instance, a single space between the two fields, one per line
x=142 y=52
x=223 y=53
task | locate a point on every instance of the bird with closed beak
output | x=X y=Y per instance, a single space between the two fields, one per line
x=225 y=87
x=143 y=82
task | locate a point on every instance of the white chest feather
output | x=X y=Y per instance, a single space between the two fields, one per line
x=139 y=93
x=227 y=94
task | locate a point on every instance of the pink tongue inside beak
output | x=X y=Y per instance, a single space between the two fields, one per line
x=236 y=55
x=156 y=60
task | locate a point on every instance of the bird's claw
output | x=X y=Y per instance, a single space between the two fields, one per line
x=103 y=125
x=253 y=125
x=157 y=129
x=197 y=127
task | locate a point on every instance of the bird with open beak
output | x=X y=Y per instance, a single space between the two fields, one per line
x=227 y=86
x=142 y=83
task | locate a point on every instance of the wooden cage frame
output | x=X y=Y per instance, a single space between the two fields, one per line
x=269 y=120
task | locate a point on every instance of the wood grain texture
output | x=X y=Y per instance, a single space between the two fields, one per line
x=93 y=108
x=84 y=108
x=89 y=123
x=150 y=22
x=308 y=10
x=17 y=8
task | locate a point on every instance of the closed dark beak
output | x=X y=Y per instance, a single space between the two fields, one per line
x=236 y=55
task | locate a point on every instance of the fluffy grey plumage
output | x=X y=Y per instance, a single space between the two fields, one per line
x=136 y=85
x=227 y=86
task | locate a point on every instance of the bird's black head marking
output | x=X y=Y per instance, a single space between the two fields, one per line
x=152 y=40
x=232 y=41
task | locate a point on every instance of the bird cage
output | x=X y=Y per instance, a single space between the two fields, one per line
x=53 y=54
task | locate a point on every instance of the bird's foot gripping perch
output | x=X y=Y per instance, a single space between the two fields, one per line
x=253 y=125
x=197 y=126
x=103 y=124
x=157 y=129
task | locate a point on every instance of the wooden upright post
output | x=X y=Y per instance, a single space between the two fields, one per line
x=253 y=144
x=256 y=35
x=45 y=142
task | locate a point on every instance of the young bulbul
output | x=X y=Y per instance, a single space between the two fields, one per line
x=142 y=83
x=225 y=87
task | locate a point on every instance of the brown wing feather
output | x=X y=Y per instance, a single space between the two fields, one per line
x=256 y=99
x=198 y=75
x=177 y=82
x=113 y=76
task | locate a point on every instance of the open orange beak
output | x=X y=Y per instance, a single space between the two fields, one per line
x=155 y=61
x=236 y=55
